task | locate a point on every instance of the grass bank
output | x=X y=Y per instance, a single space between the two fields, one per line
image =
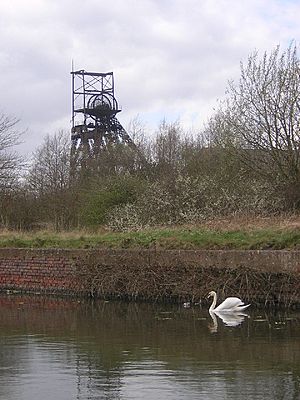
x=239 y=233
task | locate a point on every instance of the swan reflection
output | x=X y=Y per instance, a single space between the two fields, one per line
x=228 y=318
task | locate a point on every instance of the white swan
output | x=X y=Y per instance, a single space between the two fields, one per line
x=231 y=304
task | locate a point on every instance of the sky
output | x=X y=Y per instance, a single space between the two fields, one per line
x=171 y=59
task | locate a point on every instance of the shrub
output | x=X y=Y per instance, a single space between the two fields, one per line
x=190 y=201
x=97 y=203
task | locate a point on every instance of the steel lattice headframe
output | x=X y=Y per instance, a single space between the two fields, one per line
x=94 y=108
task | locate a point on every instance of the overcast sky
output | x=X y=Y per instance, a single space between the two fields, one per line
x=171 y=58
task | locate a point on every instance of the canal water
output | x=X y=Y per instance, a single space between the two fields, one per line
x=54 y=348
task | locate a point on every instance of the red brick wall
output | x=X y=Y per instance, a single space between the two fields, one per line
x=38 y=271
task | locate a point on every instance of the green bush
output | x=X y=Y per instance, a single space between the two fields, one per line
x=98 y=201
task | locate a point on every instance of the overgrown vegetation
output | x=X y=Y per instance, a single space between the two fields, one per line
x=244 y=163
x=257 y=233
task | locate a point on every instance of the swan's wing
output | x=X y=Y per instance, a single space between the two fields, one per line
x=240 y=308
x=229 y=304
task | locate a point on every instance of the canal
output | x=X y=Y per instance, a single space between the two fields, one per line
x=59 y=348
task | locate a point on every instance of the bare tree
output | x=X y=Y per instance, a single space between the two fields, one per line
x=49 y=172
x=48 y=180
x=261 y=118
x=137 y=130
x=10 y=161
x=167 y=145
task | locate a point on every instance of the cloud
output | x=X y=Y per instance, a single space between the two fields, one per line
x=171 y=58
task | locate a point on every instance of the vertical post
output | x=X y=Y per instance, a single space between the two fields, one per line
x=73 y=98
x=84 y=100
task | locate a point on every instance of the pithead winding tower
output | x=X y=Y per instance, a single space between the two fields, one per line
x=95 y=126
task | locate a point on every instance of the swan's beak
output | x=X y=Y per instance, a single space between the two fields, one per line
x=209 y=294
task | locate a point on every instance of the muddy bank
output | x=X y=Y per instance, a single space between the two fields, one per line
x=260 y=277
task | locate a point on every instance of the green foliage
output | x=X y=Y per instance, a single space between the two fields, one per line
x=98 y=202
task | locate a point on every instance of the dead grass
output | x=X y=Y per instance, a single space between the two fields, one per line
x=250 y=223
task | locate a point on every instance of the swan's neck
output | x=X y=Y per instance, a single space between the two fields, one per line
x=213 y=304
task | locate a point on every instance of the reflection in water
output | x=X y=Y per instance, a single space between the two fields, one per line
x=66 y=349
x=228 y=318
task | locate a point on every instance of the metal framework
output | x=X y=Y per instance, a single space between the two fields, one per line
x=94 y=109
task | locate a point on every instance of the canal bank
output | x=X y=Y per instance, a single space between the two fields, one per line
x=262 y=277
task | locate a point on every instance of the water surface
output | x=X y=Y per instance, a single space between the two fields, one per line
x=53 y=348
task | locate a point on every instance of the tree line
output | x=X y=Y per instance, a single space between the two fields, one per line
x=245 y=161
